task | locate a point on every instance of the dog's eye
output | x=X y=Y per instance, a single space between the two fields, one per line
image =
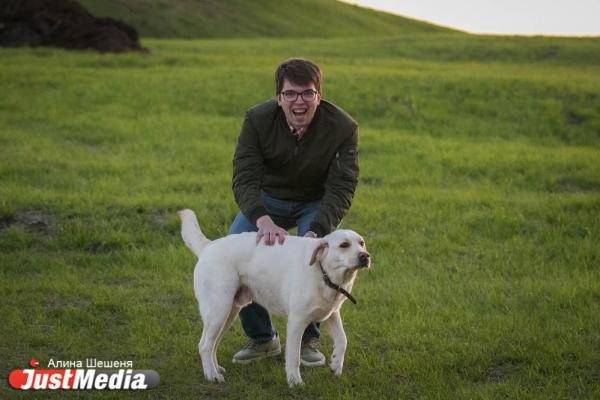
x=344 y=245
x=362 y=244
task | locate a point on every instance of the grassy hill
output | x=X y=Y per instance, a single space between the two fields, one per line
x=478 y=198
x=256 y=18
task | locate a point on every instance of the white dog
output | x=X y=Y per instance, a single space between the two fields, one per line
x=305 y=279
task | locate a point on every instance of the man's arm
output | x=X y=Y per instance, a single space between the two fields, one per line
x=248 y=172
x=247 y=176
x=340 y=185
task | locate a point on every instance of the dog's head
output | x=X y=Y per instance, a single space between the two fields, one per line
x=342 y=251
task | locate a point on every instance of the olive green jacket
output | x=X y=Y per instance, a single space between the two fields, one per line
x=323 y=165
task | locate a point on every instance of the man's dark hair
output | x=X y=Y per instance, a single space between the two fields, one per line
x=299 y=72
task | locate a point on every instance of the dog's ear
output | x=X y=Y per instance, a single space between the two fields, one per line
x=318 y=254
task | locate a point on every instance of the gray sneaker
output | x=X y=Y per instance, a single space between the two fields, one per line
x=253 y=351
x=309 y=355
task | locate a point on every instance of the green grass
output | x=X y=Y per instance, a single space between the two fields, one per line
x=479 y=200
x=257 y=18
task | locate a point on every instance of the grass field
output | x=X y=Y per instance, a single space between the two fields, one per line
x=479 y=200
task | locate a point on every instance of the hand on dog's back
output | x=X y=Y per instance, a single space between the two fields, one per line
x=268 y=230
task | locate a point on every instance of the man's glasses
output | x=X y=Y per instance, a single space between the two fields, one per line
x=291 y=95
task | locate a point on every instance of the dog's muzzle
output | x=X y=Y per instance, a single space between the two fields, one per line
x=364 y=260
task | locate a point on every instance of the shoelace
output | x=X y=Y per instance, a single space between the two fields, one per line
x=312 y=344
x=251 y=344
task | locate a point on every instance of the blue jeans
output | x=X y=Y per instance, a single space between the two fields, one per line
x=255 y=319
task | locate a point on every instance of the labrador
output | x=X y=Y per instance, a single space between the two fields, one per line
x=305 y=279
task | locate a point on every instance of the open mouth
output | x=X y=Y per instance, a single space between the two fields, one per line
x=300 y=112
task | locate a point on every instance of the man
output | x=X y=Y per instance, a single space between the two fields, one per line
x=295 y=164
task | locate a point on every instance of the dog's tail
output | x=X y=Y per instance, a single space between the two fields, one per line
x=191 y=233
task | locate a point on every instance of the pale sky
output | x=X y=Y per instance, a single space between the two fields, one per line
x=526 y=17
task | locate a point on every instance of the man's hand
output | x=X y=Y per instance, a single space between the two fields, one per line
x=270 y=231
x=310 y=234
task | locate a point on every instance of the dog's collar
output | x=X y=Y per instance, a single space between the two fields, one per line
x=336 y=287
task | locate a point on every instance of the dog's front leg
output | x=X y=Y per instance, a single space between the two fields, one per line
x=295 y=329
x=336 y=330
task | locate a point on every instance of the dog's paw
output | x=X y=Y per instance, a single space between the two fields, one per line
x=294 y=380
x=336 y=367
x=216 y=378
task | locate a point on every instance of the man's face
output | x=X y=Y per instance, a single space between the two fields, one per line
x=300 y=112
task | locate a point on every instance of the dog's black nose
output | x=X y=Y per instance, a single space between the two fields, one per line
x=363 y=258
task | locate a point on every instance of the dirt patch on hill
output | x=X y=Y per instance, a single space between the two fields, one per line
x=33 y=221
x=65 y=24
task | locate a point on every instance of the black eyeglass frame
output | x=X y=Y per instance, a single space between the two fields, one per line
x=309 y=92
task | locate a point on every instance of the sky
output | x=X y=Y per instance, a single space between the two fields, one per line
x=523 y=17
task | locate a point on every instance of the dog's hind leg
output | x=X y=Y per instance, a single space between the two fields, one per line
x=206 y=348
x=242 y=298
x=232 y=315
x=215 y=320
